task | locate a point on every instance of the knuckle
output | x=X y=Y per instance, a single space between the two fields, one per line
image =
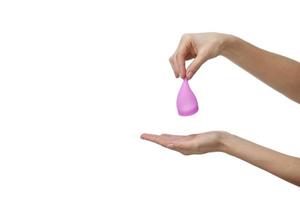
x=179 y=54
x=192 y=70
x=186 y=36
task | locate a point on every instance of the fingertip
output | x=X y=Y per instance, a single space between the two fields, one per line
x=175 y=71
x=182 y=74
x=146 y=136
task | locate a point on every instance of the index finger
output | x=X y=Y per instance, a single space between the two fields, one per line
x=154 y=138
x=179 y=61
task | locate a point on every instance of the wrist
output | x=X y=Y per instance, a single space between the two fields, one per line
x=224 y=141
x=229 y=42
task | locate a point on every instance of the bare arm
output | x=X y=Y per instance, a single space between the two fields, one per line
x=281 y=165
x=279 y=72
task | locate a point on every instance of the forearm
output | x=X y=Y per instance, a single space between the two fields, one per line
x=279 y=72
x=281 y=165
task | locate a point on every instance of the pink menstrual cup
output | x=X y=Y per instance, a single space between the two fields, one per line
x=186 y=100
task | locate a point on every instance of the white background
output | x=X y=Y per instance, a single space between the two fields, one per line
x=81 y=80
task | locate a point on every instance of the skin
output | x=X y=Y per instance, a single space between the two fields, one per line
x=279 y=72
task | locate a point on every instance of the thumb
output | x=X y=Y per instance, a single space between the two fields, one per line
x=194 y=66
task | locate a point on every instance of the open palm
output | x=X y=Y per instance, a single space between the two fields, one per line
x=191 y=144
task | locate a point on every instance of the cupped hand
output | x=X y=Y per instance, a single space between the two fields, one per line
x=191 y=144
x=201 y=47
